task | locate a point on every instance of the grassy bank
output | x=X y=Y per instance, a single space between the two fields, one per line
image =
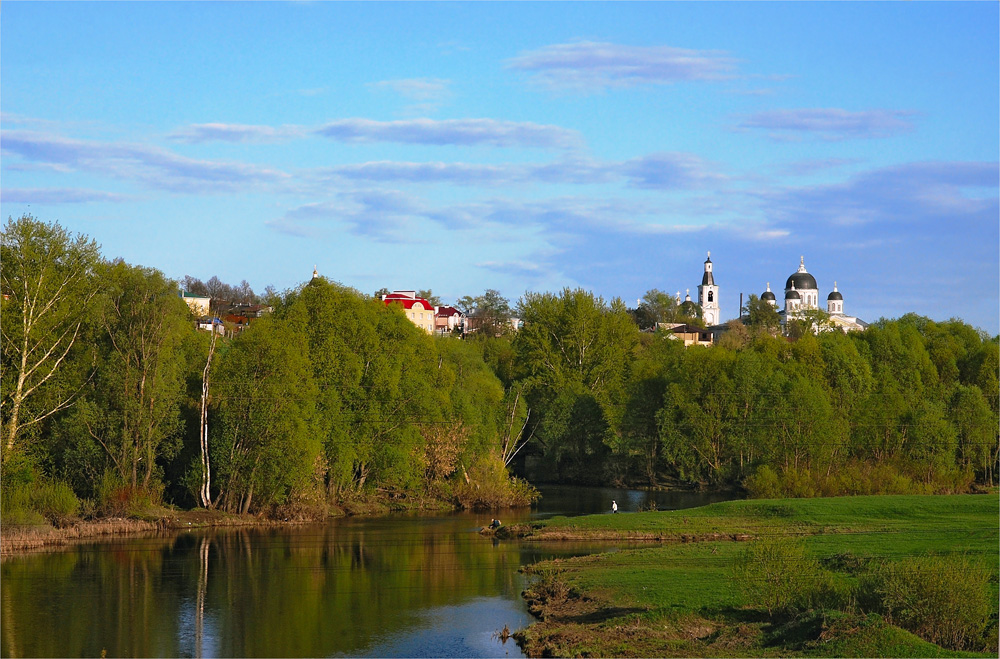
x=676 y=583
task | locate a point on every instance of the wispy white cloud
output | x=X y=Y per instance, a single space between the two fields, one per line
x=830 y=124
x=219 y=132
x=8 y=119
x=461 y=132
x=423 y=172
x=593 y=66
x=148 y=165
x=669 y=171
x=383 y=215
x=389 y=215
x=925 y=193
x=662 y=171
x=57 y=196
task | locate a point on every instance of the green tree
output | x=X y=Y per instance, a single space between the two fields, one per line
x=428 y=295
x=132 y=406
x=698 y=412
x=976 y=427
x=800 y=419
x=265 y=442
x=488 y=314
x=46 y=277
x=641 y=439
x=808 y=321
x=573 y=352
x=378 y=377
x=761 y=315
x=657 y=307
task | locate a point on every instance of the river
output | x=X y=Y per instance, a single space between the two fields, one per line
x=397 y=586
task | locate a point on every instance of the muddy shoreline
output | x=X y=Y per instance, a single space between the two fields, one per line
x=17 y=540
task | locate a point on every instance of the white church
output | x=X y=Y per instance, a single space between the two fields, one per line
x=708 y=297
x=801 y=295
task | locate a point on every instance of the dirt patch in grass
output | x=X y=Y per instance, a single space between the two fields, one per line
x=573 y=625
x=580 y=535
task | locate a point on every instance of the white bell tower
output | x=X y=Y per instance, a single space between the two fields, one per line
x=708 y=295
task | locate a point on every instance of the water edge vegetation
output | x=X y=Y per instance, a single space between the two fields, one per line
x=843 y=576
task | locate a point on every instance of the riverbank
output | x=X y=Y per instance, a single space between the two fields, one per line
x=23 y=539
x=670 y=584
x=17 y=539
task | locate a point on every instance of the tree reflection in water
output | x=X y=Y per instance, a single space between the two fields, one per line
x=398 y=586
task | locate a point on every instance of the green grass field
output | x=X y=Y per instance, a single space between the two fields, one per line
x=678 y=597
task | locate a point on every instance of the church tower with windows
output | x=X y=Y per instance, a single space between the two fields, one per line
x=708 y=295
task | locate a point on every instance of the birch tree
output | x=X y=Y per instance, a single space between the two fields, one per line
x=47 y=290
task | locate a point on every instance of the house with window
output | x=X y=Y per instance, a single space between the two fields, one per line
x=196 y=303
x=446 y=319
x=689 y=334
x=417 y=309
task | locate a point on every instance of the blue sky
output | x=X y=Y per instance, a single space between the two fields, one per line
x=521 y=146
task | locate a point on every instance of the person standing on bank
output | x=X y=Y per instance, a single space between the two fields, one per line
x=614 y=506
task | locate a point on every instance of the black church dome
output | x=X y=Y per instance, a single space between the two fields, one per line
x=802 y=281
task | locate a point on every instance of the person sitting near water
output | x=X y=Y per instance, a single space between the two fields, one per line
x=614 y=506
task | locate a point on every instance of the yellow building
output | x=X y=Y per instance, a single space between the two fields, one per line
x=417 y=309
x=198 y=305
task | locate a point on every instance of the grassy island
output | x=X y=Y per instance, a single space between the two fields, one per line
x=846 y=576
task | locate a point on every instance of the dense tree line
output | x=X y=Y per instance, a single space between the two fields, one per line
x=907 y=405
x=108 y=386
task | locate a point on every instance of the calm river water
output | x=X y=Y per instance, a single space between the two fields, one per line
x=400 y=586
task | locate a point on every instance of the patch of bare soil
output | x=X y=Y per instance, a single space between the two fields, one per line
x=572 y=625
x=576 y=535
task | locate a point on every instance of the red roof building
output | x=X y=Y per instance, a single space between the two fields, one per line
x=446 y=319
x=417 y=309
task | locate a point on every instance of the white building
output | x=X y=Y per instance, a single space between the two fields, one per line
x=708 y=295
x=802 y=294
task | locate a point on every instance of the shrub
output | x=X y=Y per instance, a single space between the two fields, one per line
x=858 y=477
x=775 y=574
x=33 y=505
x=55 y=501
x=15 y=506
x=799 y=483
x=116 y=498
x=943 y=600
x=763 y=484
x=488 y=485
